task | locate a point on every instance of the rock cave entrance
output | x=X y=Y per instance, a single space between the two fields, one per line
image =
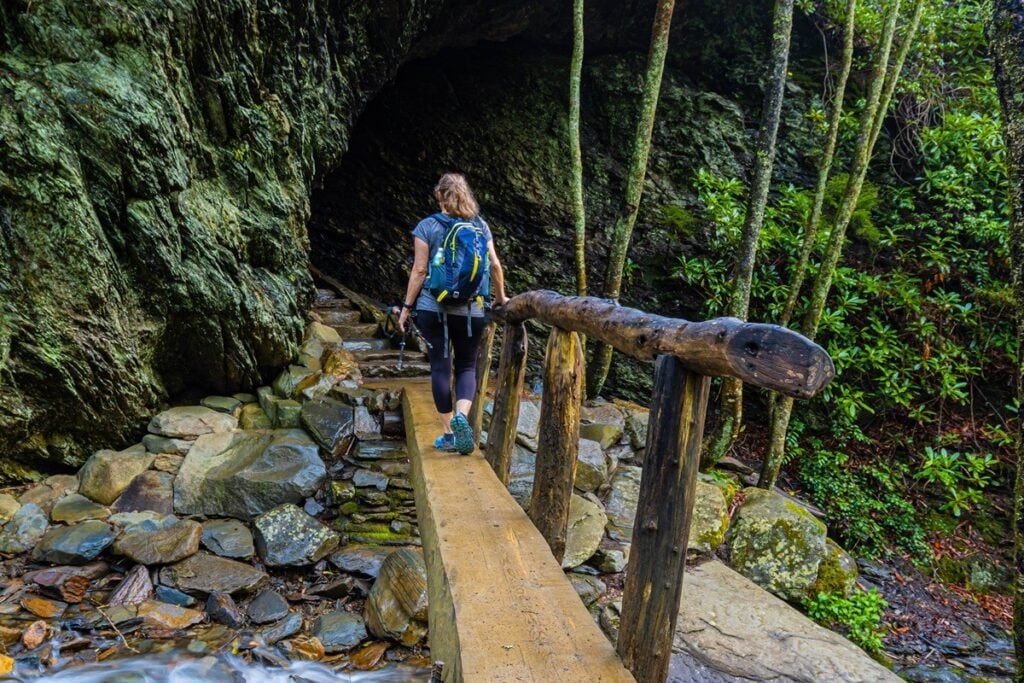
x=484 y=111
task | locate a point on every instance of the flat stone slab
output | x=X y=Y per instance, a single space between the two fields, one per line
x=500 y=606
x=729 y=629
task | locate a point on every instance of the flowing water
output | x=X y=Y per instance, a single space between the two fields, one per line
x=171 y=668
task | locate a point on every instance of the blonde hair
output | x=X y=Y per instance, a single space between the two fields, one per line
x=456 y=199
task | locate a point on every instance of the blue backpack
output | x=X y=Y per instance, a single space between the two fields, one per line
x=460 y=271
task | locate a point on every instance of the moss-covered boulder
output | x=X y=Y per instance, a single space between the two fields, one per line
x=776 y=543
x=710 y=521
x=837 y=573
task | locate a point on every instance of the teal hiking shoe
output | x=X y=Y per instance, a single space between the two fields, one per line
x=445 y=442
x=464 y=441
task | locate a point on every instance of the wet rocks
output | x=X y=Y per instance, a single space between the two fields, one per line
x=339 y=631
x=288 y=536
x=106 y=474
x=188 y=422
x=608 y=561
x=77 y=508
x=776 y=543
x=161 y=546
x=228 y=538
x=76 y=544
x=286 y=384
x=135 y=588
x=363 y=560
x=24 y=530
x=244 y=474
x=584 y=531
x=223 y=610
x=266 y=607
x=285 y=628
x=148 y=491
x=397 y=605
x=167 y=617
x=329 y=422
x=366 y=427
x=364 y=478
x=204 y=574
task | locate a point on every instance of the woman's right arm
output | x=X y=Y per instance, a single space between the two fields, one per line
x=417 y=276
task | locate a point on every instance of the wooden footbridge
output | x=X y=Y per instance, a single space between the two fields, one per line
x=501 y=608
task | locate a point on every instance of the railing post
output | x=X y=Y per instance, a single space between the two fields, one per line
x=483 y=372
x=559 y=436
x=511 y=372
x=654 y=579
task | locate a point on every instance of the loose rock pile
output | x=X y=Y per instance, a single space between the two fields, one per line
x=280 y=524
x=768 y=537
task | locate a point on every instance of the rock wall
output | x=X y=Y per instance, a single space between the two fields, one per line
x=156 y=159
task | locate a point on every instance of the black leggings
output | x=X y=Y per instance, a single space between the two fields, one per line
x=464 y=347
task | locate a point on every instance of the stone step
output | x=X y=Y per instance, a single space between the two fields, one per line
x=365 y=344
x=339 y=316
x=411 y=354
x=388 y=368
x=356 y=331
x=334 y=304
x=324 y=295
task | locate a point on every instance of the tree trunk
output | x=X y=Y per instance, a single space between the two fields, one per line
x=559 y=440
x=597 y=372
x=880 y=92
x=730 y=412
x=824 y=168
x=1007 y=32
x=575 y=153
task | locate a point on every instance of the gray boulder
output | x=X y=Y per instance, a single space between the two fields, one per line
x=228 y=538
x=244 y=474
x=287 y=536
x=710 y=520
x=169 y=544
x=188 y=422
x=591 y=466
x=584 y=531
x=329 y=422
x=24 y=530
x=203 y=574
x=397 y=605
x=106 y=474
x=621 y=502
x=339 y=631
x=76 y=544
x=776 y=543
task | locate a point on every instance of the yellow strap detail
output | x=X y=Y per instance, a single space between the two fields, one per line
x=476 y=266
x=442 y=295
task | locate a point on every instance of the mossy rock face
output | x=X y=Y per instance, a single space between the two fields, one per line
x=777 y=544
x=837 y=572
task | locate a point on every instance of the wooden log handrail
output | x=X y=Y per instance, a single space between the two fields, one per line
x=767 y=356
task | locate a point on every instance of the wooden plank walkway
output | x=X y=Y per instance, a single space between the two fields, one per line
x=501 y=608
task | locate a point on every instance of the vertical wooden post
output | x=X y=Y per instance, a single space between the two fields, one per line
x=654 y=580
x=511 y=373
x=483 y=371
x=559 y=437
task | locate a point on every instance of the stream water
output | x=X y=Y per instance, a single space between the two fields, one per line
x=173 y=668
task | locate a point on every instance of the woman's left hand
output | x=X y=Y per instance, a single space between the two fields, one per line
x=403 y=318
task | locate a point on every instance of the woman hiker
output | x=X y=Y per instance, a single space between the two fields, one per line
x=452 y=249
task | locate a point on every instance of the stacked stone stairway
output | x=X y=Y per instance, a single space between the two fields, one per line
x=376 y=353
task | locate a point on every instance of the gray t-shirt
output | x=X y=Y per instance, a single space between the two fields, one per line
x=432 y=231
